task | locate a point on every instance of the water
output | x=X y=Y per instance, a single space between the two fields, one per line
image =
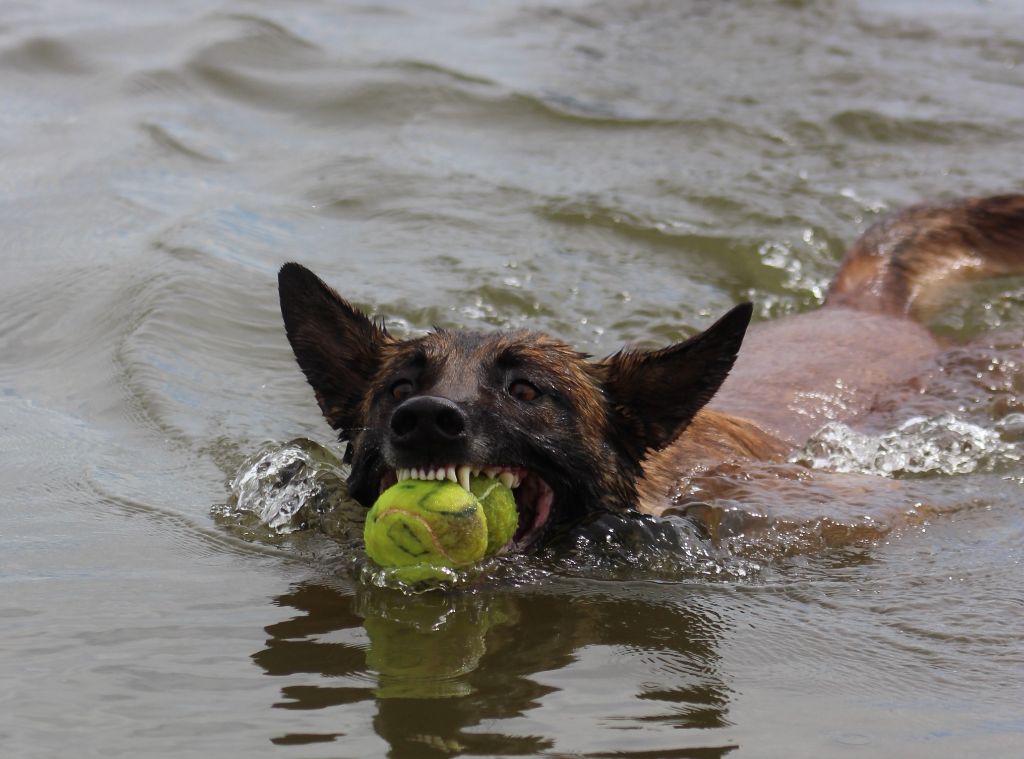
x=611 y=172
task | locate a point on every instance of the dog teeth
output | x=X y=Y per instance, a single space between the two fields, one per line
x=462 y=476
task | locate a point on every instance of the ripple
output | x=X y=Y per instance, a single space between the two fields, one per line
x=188 y=142
x=255 y=41
x=47 y=55
x=198 y=355
x=371 y=96
x=571 y=108
x=879 y=127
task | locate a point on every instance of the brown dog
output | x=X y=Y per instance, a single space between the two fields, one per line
x=577 y=436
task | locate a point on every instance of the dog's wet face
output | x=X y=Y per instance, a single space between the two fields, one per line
x=519 y=406
x=566 y=434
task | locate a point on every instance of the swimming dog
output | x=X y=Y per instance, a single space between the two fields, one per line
x=575 y=436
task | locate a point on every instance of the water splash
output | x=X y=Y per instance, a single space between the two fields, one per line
x=942 y=444
x=285 y=488
x=633 y=546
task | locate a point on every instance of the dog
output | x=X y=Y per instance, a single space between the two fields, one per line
x=576 y=436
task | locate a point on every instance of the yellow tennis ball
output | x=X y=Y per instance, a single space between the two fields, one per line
x=500 y=510
x=425 y=524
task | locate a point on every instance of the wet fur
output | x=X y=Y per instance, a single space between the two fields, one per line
x=622 y=432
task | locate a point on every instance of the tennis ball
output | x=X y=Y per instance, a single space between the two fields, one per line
x=423 y=525
x=500 y=510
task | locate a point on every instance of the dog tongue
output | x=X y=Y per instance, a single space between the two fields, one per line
x=534 y=499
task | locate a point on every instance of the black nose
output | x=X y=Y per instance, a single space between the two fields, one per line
x=427 y=421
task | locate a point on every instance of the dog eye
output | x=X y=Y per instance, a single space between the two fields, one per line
x=401 y=390
x=522 y=390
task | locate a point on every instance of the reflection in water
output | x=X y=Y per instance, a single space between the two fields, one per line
x=470 y=673
x=427 y=646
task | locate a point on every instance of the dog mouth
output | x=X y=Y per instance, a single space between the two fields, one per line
x=533 y=496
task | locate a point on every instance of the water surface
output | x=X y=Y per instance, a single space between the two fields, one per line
x=613 y=172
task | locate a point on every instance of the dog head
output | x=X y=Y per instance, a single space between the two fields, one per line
x=569 y=434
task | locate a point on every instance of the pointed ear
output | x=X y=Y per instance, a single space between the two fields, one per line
x=337 y=346
x=656 y=394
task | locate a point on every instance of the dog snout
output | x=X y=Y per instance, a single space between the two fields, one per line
x=428 y=422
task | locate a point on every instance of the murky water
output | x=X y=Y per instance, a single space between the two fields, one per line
x=608 y=171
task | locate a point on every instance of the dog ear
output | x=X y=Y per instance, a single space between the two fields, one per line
x=656 y=394
x=336 y=345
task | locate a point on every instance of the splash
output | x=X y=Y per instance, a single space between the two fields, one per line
x=634 y=546
x=290 y=487
x=942 y=444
